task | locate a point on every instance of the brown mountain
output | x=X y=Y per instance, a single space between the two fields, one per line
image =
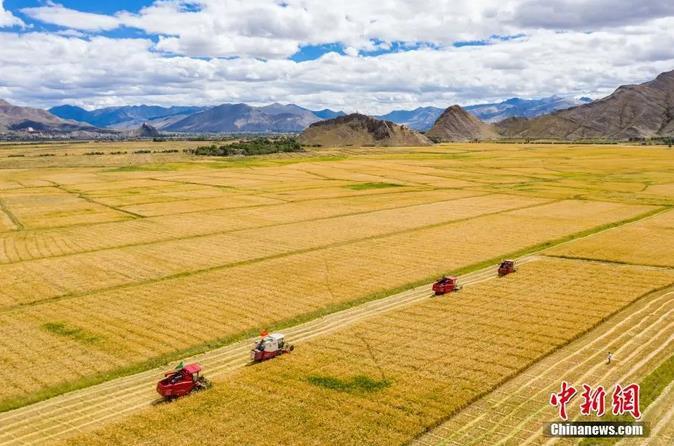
x=632 y=111
x=22 y=119
x=360 y=130
x=456 y=124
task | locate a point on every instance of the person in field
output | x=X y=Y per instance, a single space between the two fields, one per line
x=609 y=357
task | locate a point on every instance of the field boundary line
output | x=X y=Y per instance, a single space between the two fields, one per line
x=281 y=203
x=230 y=265
x=612 y=262
x=92 y=201
x=14 y=219
x=229 y=231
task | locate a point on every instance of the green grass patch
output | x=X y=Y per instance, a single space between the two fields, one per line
x=355 y=384
x=651 y=386
x=72 y=332
x=366 y=186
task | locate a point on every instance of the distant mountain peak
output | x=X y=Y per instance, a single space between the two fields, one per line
x=456 y=124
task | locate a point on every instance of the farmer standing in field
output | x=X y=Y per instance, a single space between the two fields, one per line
x=609 y=358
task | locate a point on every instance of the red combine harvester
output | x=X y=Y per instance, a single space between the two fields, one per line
x=446 y=285
x=506 y=267
x=270 y=346
x=182 y=381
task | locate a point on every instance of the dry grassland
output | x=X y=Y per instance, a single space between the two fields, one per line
x=391 y=377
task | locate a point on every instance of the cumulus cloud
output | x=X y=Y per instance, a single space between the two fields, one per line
x=209 y=52
x=57 y=14
x=589 y=15
x=7 y=19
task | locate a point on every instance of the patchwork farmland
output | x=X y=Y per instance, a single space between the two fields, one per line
x=116 y=266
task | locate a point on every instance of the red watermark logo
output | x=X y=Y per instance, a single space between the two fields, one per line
x=624 y=400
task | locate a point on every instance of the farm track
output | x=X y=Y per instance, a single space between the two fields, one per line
x=640 y=337
x=61 y=416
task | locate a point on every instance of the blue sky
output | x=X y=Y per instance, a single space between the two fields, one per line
x=351 y=55
x=304 y=53
x=101 y=7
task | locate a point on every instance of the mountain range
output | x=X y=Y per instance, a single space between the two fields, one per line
x=630 y=112
x=278 y=118
x=225 y=118
x=423 y=118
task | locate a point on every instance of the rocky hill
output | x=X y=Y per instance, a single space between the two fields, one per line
x=632 y=111
x=360 y=130
x=24 y=119
x=144 y=131
x=456 y=124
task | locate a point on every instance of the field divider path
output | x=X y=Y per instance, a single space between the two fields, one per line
x=208 y=233
x=13 y=218
x=74 y=411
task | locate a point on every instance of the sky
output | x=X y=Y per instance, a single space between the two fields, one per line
x=351 y=55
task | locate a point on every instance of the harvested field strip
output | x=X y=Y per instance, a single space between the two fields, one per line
x=649 y=242
x=515 y=412
x=137 y=323
x=654 y=388
x=26 y=245
x=35 y=281
x=436 y=356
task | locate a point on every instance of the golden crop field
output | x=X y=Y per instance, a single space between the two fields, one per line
x=389 y=378
x=648 y=242
x=219 y=278
x=116 y=263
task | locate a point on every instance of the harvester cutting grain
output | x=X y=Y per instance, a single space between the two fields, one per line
x=506 y=267
x=182 y=381
x=270 y=346
x=446 y=285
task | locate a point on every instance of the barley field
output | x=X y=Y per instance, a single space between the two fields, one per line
x=118 y=257
x=648 y=242
x=388 y=379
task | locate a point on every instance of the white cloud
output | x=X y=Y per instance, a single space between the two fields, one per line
x=59 y=15
x=99 y=71
x=7 y=19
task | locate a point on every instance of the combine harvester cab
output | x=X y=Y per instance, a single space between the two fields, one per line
x=270 y=346
x=182 y=381
x=446 y=285
x=506 y=267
